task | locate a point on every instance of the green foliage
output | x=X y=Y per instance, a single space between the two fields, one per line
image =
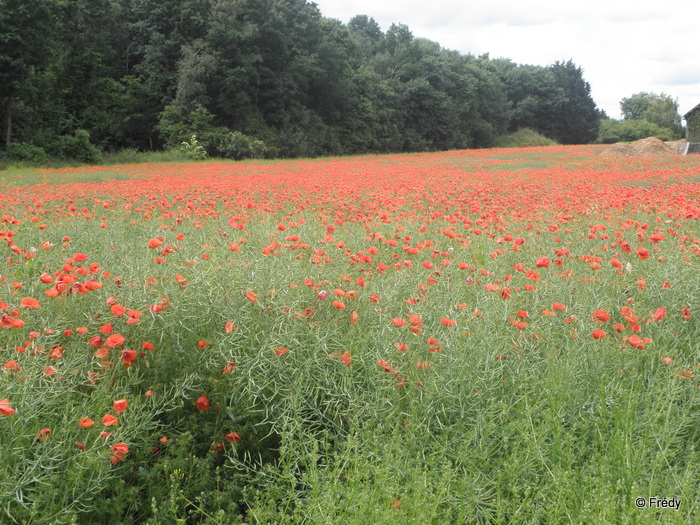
x=192 y=149
x=612 y=131
x=24 y=152
x=75 y=147
x=149 y=74
x=523 y=138
x=658 y=109
x=238 y=146
x=555 y=101
x=578 y=119
x=176 y=127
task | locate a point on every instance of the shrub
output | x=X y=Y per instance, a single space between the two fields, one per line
x=75 y=147
x=24 y=152
x=177 y=127
x=612 y=131
x=237 y=146
x=523 y=138
x=193 y=150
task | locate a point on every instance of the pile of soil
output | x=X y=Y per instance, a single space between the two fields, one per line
x=648 y=147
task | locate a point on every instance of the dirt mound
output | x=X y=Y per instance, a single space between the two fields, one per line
x=648 y=147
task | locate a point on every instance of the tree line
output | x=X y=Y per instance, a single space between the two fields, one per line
x=261 y=78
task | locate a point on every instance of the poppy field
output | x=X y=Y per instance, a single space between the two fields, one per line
x=482 y=336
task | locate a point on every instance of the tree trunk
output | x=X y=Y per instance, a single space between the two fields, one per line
x=7 y=123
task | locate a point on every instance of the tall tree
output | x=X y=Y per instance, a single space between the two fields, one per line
x=27 y=42
x=659 y=109
x=579 y=118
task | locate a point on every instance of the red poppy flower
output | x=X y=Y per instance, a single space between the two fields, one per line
x=118 y=310
x=5 y=408
x=599 y=334
x=128 y=357
x=446 y=321
x=11 y=366
x=43 y=434
x=384 y=364
x=233 y=437
x=251 y=296
x=281 y=350
x=642 y=253
x=659 y=314
x=120 y=405
x=7 y=321
x=29 y=302
x=109 y=420
x=85 y=422
x=636 y=342
x=119 y=450
x=601 y=315
x=202 y=403
x=229 y=368
x=542 y=262
x=346 y=358
x=115 y=340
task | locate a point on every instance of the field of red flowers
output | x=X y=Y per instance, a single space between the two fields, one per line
x=489 y=336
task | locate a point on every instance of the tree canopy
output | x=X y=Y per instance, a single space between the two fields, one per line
x=147 y=74
x=643 y=115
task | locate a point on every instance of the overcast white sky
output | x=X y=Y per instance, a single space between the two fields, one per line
x=623 y=46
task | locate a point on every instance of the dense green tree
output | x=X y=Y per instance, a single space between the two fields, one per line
x=27 y=40
x=148 y=74
x=578 y=119
x=366 y=33
x=535 y=97
x=633 y=107
x=658 y=109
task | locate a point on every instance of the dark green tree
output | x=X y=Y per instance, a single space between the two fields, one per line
x=534 y=95
x=578 y=119
x=27 y=43
x=366 y=33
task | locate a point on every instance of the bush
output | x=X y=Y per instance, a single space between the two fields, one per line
x=176 y=128
x=75 y=147
x=193 y=150
x=24 y=152
x=523 y=138
x=612 y=131
x=237 y=146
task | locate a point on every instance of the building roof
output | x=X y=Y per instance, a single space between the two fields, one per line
x=696 y=108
